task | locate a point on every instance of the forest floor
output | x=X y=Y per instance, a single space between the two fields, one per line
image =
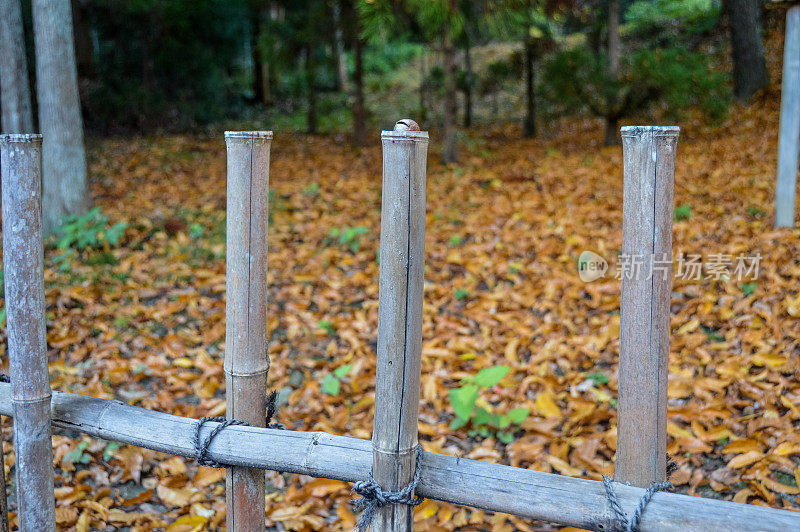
x=144 y=321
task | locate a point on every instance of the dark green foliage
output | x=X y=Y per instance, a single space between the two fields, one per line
x=165 y=64
x=497 y=73
x=576 y=80
x=671 y=22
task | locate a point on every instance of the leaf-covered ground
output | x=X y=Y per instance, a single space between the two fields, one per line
x=144 y=322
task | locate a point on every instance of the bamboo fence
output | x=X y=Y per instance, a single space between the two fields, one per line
x=649 y=162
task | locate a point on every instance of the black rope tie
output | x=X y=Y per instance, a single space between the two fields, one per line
x=374 y=497
x=622 y=523
x=201 y=445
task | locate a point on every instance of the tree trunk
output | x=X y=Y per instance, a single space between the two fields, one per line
x=614 y=48
x=338 y=42
x=14 y=85
x=63 y=156
x=749 y=66
x=613 y=38
x=468 y=78
x=359 y=110
x=449 y=154
x=423 y=71
x=529 y=124
x=612 y=131
x=311 y=114
x=84 y=54
x=259 y=15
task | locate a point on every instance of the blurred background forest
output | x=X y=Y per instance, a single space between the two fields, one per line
x=354 y=65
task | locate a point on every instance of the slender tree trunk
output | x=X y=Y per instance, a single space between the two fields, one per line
x=613 y=38
x=423 y=72
x=469 y=76
x=449 y=154
x=14 y=85
x=311 y=115
x=259 y=14
x=612 y=130
x=359 y=109
x=749 y=66
x=84 y=54
x=789 y=129
x=529 y=124
x=614 y=48
x=338 y=41
x=63 y=156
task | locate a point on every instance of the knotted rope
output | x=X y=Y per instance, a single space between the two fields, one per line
x=201 y=445
x=632 y=525
x=374 y=497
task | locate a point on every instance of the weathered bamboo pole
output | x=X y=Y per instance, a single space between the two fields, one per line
x=246 y=361
x=402 y=265
x=493 y=487
x=789 y=133
x=23 y=262
x=649 y=175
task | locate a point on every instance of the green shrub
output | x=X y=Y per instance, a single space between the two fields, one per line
x=670 y=21
x=577 y=81
x=90 y=230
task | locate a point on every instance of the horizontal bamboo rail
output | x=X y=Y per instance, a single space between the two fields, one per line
x=522 y=492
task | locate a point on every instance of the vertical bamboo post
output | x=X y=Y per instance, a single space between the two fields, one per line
x=246 y=361
x=789 y=133
x=647 y=210
x=402 y=264
x=23 y=261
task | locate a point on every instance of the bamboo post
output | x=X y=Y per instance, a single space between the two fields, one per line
x=647 y=210
x=246 y=361
x=23 y=262
x=402 y=264
x=789 y=133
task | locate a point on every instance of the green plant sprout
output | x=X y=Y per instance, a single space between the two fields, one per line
x=332 y=382
x=483 y=422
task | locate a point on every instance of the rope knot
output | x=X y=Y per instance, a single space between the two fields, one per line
x=622 y=523
x=201 y=446
x=374 y=497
